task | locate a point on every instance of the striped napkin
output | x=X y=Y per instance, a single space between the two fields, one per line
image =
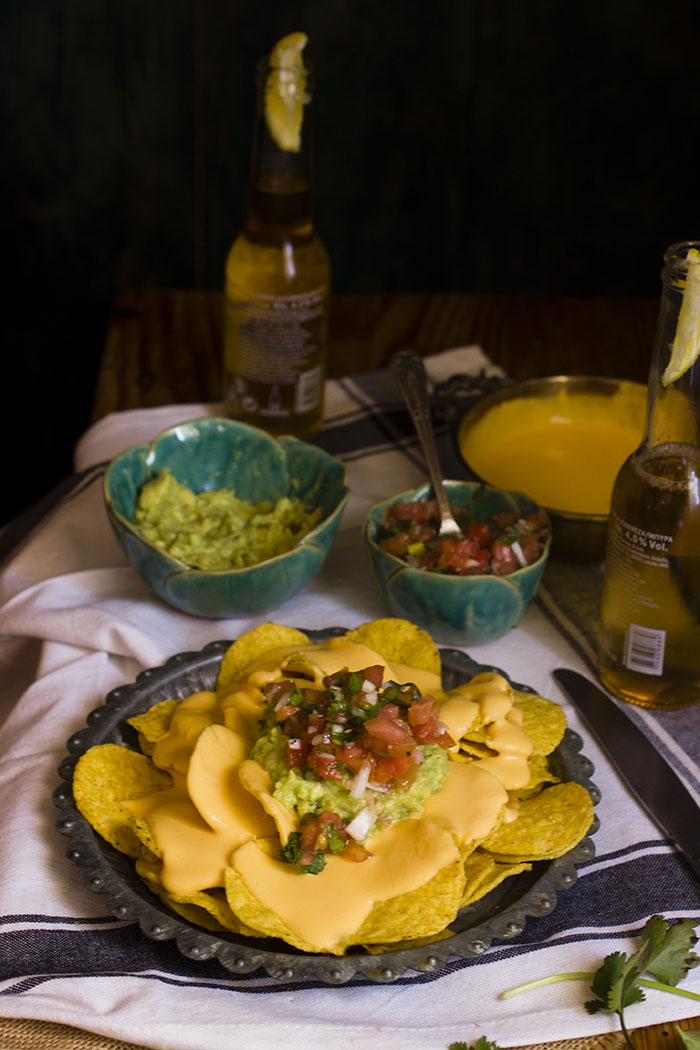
x=76 y=621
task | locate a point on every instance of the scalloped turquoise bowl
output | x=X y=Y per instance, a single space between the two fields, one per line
x=213 y=453
x=457 y=610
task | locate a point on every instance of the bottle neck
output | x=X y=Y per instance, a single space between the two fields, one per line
x=279 y=191
x=673 y=410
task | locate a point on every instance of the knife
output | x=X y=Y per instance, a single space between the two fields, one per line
x=646 y=773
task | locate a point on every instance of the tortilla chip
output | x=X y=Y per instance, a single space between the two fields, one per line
x=540 y=774
x=547 y=826
x=153 y=724
x=103 y=777
x=499 y=873
x=478 y=866
x=543 y=721
x=253 y=644
x=399 y=641
x=420 y=913
x=206 y=908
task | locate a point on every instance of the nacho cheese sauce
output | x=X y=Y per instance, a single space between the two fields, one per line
x=564 y=452
x=221 y=811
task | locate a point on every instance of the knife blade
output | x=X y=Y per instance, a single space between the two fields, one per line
x=644 y=770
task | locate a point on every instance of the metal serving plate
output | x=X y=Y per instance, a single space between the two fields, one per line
x=501 y=914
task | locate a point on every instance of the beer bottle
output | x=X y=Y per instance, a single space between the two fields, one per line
x=277 y=271
x=649 y=645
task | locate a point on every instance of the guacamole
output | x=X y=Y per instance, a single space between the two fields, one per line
x=306 y=794
x=216 y=530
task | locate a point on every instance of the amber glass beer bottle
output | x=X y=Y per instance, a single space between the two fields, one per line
x=277 y=271
x=649 y=646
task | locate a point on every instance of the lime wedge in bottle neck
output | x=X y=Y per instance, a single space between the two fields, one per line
x=285 y=92
x=686 y=344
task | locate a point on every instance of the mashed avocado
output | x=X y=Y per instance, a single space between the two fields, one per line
x=216 y=530
x=303 y=793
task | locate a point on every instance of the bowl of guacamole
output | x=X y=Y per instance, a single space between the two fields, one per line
x=220 y=519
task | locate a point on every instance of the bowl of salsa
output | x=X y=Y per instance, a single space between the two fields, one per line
x=463 y=589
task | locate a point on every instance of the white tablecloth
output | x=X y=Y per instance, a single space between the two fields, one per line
x=76 y=621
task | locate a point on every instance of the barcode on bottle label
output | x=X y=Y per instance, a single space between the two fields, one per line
x=644 y=649
x=308 y=390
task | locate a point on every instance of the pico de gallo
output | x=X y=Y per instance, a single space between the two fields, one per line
x=501 y=545
x=369 y=738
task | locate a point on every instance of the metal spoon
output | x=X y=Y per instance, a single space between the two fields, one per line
x=409 y=372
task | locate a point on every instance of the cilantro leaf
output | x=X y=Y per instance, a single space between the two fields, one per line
x=481 y=1044
x=615 y=984
x=291 y=853
x=666 y=950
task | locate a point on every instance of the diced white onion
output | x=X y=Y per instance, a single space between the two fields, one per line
x=294 y=743
x=518 y=552
x=360 y=825
x=361 y=780
x=321 y=738
x=282 y=702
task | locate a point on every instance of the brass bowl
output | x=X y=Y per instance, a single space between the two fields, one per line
x=576 y=536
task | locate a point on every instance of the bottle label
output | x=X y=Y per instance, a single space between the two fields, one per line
x=274 y=351
x=644 y=649
x=641 y=545
x=637 y=555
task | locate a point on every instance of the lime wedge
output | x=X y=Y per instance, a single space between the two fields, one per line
x=686 y=344
x=285 y=92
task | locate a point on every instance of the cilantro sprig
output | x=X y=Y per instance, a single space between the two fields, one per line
x=666 y=953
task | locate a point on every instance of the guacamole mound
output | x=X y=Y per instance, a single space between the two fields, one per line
x=216 y=530
x=303 y=793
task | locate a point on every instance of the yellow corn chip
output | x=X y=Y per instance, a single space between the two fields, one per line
x=543 y=721
x=103 y=777
x=252 y=644
x=399 y=641
x=153 y=724
x=548 y=825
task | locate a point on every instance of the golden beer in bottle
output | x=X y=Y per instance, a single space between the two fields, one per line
x=277 y=272
x=649 y=644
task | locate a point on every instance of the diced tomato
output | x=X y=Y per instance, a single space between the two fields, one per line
x=391 y=768
x=315 y=696
x=420 y=510
x=297 y=752
x=432 y=732
x=374 y=675
x=420 y=711
x=285 y=711
x=531 y=548
x=503 y=559
x=386 y=728
x=355 y=853
x=324 y=764
x=480 y=531
x=458 y=554
x=352 y=756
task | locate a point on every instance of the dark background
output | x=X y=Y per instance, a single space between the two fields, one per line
x=521 y=146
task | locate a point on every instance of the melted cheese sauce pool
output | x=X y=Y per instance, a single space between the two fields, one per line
x=564 y=452
x=220 y=811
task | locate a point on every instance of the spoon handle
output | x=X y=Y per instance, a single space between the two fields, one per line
x=409 y=372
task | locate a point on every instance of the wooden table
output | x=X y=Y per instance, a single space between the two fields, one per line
x=164 y=346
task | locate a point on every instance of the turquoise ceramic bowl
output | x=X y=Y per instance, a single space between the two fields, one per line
x=216 y=453
x=457 y=610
